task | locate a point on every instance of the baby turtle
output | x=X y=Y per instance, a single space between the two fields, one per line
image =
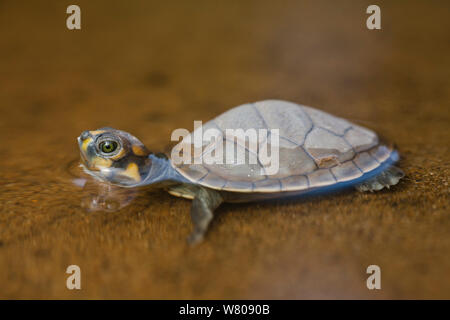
x=317 y=153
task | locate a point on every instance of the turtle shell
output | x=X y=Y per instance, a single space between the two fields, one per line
x=316 y=150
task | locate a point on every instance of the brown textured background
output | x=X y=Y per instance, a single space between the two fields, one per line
x=150 y=68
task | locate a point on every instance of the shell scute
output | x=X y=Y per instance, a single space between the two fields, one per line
x=361 y=139
x=248 y=118
x=346 y=172
x=268 y=185
x=322 y=145
x=321 y=178
x=365 y=162
x=381 y=153
x=293 y=160
x=295 y=183
x=292 y=122
x=238 y=186
x=324 y=120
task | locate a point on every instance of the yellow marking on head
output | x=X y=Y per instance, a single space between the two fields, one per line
x=119 y=155
x=182 y=195
x=96 y=132
x=138 y=150
x=100 y=162
x=85 y=144
x=132 y=171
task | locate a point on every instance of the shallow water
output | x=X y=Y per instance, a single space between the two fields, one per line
x=99 y=196
x=149 y=68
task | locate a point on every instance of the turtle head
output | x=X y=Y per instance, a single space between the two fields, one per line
x=114 y=156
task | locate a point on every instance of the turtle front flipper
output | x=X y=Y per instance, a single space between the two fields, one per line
x=202 y=212
x=389 y=177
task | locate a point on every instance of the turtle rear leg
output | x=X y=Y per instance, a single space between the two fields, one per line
x=202 y=212
x=389 y=177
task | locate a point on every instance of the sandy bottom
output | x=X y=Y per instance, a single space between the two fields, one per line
x=149 y=68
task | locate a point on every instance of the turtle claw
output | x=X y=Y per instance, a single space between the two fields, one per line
x=385 y=179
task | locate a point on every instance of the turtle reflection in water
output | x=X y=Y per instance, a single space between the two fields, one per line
x=317 y=153
x=99 y=195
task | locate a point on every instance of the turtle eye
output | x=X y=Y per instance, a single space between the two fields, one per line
x=108 y=146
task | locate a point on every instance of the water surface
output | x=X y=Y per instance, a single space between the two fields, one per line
x=151 y=67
